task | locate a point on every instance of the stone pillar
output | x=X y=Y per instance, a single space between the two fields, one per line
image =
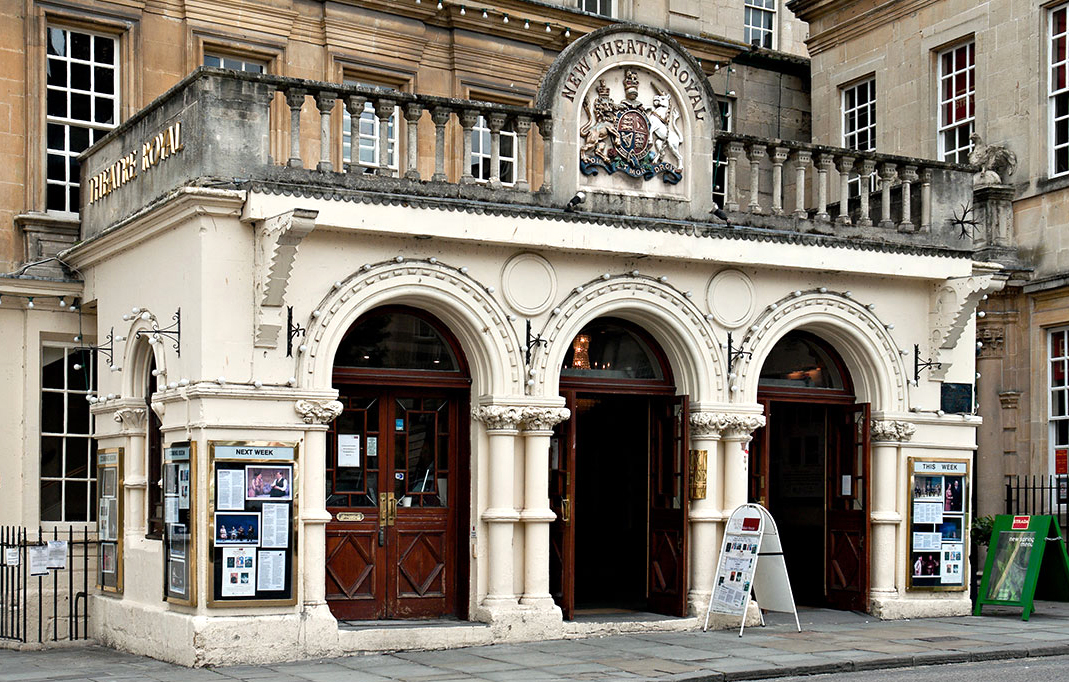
x=413 y=112
x=545 y=129
x=868 y=166
x=755 y=153
x=440 y=116
x=993 y=213
x=295 y=100
x=536 y=515
x=325 y=104
x=705 y=514
x=133 y=421
x=384 y=108
x=825 y=164
x=314 y=515
x=731 y=192
x=908 y=176
x=801 y=160
x=887 y=437
x=778 y=156
x=502 y=427
x=887 y=176
x=495 y=122
x=926 y=198
x=735 y=434
x=355 y=103
x=523 y=126
x=996 y=437
x=846 y=164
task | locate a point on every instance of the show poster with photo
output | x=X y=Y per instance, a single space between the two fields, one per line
x=938 y=524
x=239 y=572
x=179 y=467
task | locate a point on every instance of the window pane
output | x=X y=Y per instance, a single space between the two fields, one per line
x=57 y=42
x=1057 y=344
x=77 y=500
x=1057 y=373
x=56 y=103
x=104 y=50
x=51 y=500
x=51 y=456
x=77 y=464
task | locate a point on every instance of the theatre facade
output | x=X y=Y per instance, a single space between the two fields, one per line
x=482 y=411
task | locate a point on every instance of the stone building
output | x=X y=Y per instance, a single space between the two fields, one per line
x=489 y=315
x=939 y=74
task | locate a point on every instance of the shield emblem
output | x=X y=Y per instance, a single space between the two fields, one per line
x=633 y=138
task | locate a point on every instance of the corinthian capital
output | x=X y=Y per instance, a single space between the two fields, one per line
x=132 y=418
x=318 y=411
x=543 y=418
x=498 y=417
x=722 y=423
x=891 y=430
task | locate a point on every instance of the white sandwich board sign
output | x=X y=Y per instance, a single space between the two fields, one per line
x=751 y=563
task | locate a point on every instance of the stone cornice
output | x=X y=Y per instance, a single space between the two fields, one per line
x=813 y=11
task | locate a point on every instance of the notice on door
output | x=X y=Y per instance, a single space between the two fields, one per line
x=348 y=450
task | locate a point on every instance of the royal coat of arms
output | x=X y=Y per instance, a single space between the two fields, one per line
x=640 y=140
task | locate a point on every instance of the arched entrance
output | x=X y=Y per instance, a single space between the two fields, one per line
x=618 y=480
x=397 y=470
x=810 y=466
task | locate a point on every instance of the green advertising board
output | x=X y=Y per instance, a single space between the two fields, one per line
x=1026 y=560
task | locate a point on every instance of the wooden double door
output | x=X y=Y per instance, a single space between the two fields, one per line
x=619 y=487
x=394 y=493
x=810 y=465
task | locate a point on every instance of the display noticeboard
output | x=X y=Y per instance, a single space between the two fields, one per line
x=938 y=524
x=751 y=561
x=1026 y=559
x=179 y=513
x=110 y=519
x=252 y=522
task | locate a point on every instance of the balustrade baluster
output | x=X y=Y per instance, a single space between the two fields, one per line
x=926 y=198
x=754 y=154
x=495 y=122
x=909 y=176
x=846 y=164
x=356 y=110
x=440 y=116
x=325 y=104
x=802 y=159
x=825 y=164
x=384 y=109
x=732 y=195
x=545 y=129
x=523 y=126
x=887 y=176
x=295 y=100
x=413 y=112
x=778 y=156
x=868 y=166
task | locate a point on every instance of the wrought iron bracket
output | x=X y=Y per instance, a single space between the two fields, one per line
x=292 y=331
x=173 y=332
x=105 y=349
x=918 y=365
x=734 y=354
x=532 y=341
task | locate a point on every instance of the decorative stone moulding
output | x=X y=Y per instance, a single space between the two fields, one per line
x=132 y=419
x=529 y=283
x=318 y=411
x=543 y=418
x=498 y=417
x=721 y=423
x=892 y=430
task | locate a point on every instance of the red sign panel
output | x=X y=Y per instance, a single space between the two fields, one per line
x=1061 y=461
x=1020 y=522
x=751 y=523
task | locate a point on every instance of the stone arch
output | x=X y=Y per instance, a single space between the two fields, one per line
x=666 y=313
x=483 y=328
x=864 y=343
x=136 y=356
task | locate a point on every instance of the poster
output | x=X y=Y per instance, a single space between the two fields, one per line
x=38 y=560
x=183 y=486
x=176 y=577
x=952 y=562
x=372 y=446
x=107 y=557
x=271 y=575
x=170 y=509
x=11 y=556
x=177 y=541
x=230 y=489
x=170 y=480
x=113 y=519
x=239 y=572
x=102 y=520
x=927 y=541
x=1012 y=550
x=108 y=485
x=927 y=512
x=735 y=571
x=348 y=450
x=275 y=525
x=269 y=482
x=57 y=554
x=237 y=528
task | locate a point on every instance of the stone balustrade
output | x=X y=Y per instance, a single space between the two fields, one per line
x=834 y=187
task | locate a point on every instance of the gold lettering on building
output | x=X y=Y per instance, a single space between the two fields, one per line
x=163 y=145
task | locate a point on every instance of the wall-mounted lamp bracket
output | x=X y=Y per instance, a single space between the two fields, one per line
x=734 y=354
x=532 y=341
x=105 y=349
x=918 y=365
x=173 y=332
x=293 y=330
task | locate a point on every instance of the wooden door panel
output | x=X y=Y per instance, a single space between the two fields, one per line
x=561 y=498
x=669 y=487
x=353 y=587
x=848 y=502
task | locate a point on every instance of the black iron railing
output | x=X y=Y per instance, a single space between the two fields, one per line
x=1038 y=495
x=45 y=579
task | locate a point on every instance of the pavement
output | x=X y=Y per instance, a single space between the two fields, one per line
x=830 y=641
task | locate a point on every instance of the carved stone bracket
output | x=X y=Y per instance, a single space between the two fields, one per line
x=992 y=338
x=722 y=423
x=543 y=418
x=892 y=430
x=131 y=418
x=318 y=411
x=952 y=304
x=499 y=417
x=277 y=239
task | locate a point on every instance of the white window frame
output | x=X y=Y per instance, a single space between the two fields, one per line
x=70 y=185
x=851 y=133
x=759 y=21
x=368 y=134
x=964 y=126
x=234 y=63
x=1058 y=62
x=68 y=393
x=1057 y=396
x=605 y=8
x=480 y=153
x=726 y=109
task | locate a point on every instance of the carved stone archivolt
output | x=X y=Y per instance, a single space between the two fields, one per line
x=892 y=430
x=318 y=411
x=131 y=418
x=722 y=423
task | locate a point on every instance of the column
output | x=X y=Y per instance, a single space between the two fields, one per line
x=495 y=122
x=440 y=116
x=909 y=176
x=705 y=513
x=502 y=427
x=295 y=100
x=801 y=160
x=887 y=437
x=868 y=167
x=355 y=103
x=523 y=126
x=314 y=515
x=778 y=156
x=545 y=129
x=926 y=198
x=825 y=164
x=536 y=516
x=887 y=176
x=383 y=111
x=325 y=104
x=846 y=164
x=133 y=421
x=755 y=153
x=413 y=112
x=731 y=197
x=736 y=434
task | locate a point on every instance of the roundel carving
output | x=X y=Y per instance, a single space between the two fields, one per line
x=529 y=283
x=731 y=298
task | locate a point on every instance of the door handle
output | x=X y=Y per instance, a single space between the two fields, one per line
x=384 y=509
x=566 y=509
x=391 y=509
